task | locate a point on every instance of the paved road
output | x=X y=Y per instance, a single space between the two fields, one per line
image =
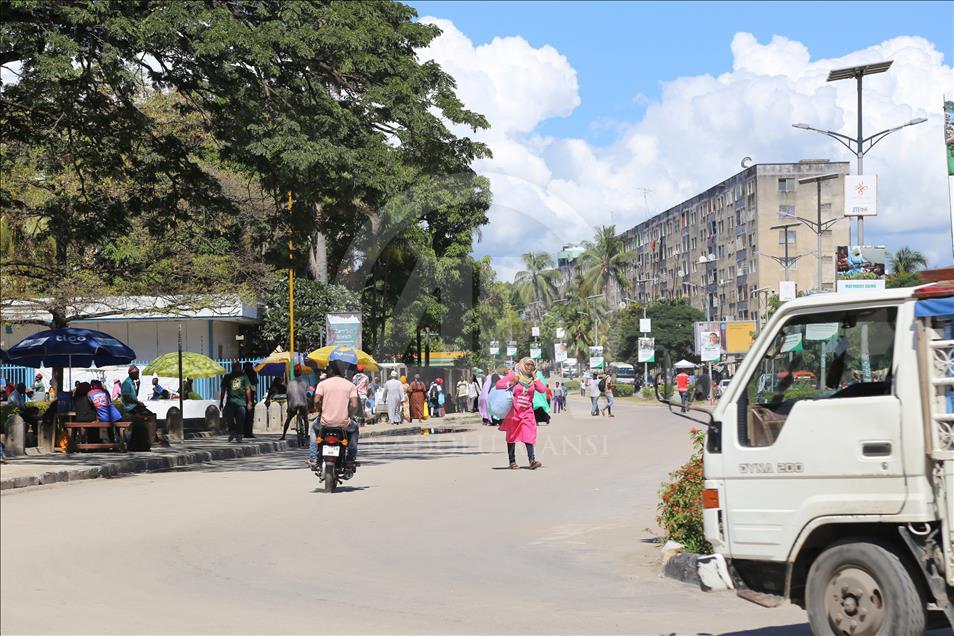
x=434 y=535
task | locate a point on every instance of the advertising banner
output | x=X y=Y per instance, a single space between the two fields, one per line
x=343 y=329
x=645 y=325
x=535 y=352
x=511 y=347
x=787 y=290
x=646 y=350
x=559 y=352
x=596 y=358
x=738 y=336
x=494 y=347
x=535 y=332
x=860 y=259
x=859 y=285
x=861 y=195
x=711 y=346
x=560 y=333
x=949 y=145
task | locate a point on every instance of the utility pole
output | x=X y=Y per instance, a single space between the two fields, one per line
x=818 y=226
x=291 y=297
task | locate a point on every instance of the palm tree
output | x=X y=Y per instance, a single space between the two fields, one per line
x=538 y=283
x=606 y=261
x=907 y=260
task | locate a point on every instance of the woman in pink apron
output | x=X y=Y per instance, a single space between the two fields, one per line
x=520 y=425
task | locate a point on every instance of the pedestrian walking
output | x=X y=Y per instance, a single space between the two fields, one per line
x=608 y=392
x=252 y=376
x=594 y=386
x=520 y=425
x=558 y=398
x=462 y=394
x=417 y=392
x=234 y=400
x=682 y=385
x=473 y=393
x=406 y=403
x=394 y=398
x=361 y=381
x=482 y=399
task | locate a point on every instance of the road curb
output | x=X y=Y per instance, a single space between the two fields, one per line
x=683 y=567
x=162 y=462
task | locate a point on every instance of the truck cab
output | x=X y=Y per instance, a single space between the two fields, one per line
x=828 y=462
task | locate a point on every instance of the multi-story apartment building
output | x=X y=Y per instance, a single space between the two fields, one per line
x=567 y=259
x=715 y=248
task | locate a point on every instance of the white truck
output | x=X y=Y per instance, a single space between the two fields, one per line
x=833 y=486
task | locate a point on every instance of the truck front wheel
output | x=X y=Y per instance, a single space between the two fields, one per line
x=862 y=589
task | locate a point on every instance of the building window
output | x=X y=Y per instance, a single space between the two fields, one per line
x=786 y=210
x=786 y=185
x=789 y=234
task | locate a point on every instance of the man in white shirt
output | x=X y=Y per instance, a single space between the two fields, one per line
x=594 y=385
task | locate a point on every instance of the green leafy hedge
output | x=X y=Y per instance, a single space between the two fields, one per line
x=680 y=505
x=624 y=390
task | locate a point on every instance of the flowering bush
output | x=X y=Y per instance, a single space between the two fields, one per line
x=680 y=505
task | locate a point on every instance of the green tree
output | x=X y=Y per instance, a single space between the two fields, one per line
x=605 y=261
x=672 y=322
x=537 y=285
x=907 y=260
x=904 y=279
x=313 y=300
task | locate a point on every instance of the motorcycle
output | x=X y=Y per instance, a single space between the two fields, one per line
x=332 y=467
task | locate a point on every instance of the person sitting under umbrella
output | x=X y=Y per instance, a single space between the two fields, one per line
x=133 y=409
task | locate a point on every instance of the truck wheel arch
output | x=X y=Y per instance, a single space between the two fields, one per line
x=832 y=532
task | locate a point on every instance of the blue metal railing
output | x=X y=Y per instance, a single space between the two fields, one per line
x=208 y=388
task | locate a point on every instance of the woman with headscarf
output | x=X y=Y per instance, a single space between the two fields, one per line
x=520 y=425
x=406 y=403
x=394 y=398
x=418 y=393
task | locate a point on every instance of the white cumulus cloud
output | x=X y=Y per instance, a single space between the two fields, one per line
x=550 y=190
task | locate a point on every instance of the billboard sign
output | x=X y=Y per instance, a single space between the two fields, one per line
x=851 y=260
x=535 y=332
x=857 y=285
x=861 y=195
x=536 y=352
x=560 y=332
x=731 y=336
x=596 y=358
x=787 y=290
x=646 y=350
x=738 y=336
x=343 y=329
x=494 y=347
x=559 y=352
x=511 y=347
x=645 y=325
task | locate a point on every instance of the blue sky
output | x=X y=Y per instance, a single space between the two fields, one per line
x=591 y=103
x=623 y=50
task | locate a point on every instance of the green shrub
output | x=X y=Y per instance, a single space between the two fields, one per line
x=8 y=409
x=680 y=505
x=647 y=393
x=623 y=390
x=573 y=385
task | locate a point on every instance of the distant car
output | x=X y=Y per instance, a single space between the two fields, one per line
x=723 y=385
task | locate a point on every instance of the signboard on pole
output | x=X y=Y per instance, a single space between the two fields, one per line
x=494 y=347
x=849 y=285
x=646 y=349
x=343 y=329
x=787 y=290
x=511 y=347
x=860 y=259
x=861 y=195
x=535 y=352
x=560 y=333
x=645 y=325
x=535 y=332
x=711 y=346
x=596 y=358
x=559 y=352
x=949 y=142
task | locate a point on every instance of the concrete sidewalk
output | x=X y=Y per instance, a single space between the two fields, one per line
x=37 y=470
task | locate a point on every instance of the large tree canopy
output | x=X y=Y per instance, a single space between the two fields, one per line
x=132 y=126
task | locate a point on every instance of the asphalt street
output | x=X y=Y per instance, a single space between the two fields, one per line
x=434 y=535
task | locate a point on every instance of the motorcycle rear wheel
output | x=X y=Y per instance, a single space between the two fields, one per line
x=331 y=480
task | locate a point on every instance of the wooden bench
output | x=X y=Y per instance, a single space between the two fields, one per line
x=73 y=428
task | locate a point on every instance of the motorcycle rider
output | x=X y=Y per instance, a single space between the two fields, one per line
x=336 y=400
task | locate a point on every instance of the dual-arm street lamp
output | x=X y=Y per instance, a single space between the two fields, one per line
x=786 y=261
x=856 y=145
x=818 y=226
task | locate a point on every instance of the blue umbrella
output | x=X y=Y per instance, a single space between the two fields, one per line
x=69 y=347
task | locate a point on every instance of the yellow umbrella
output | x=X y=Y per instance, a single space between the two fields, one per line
x=323 y=356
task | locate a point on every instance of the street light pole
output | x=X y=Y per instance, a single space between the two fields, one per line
x=856 y=145
x=818 y=226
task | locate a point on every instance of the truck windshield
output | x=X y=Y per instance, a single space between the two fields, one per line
x=844 y=354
